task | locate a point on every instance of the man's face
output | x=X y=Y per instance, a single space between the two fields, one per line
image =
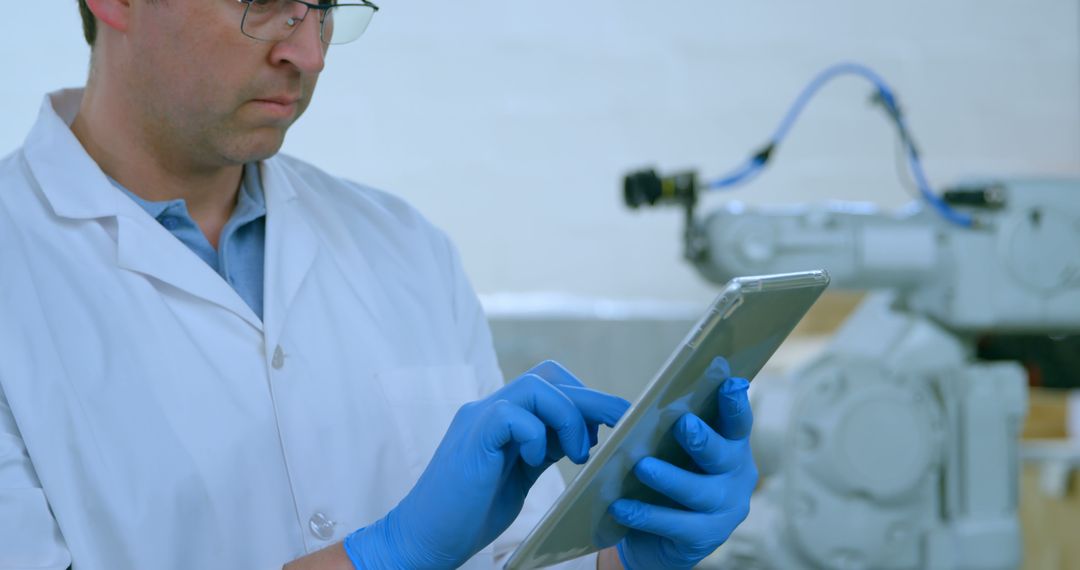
x=200 y=86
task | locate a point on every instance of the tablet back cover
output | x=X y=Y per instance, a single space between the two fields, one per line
x=745 y=325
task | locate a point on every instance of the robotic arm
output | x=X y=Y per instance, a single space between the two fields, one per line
x=896 y=447
x=1018 y=270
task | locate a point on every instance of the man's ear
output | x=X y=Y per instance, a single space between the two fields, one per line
x=115 y=14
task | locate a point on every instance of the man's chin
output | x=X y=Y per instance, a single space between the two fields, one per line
x=262 y=145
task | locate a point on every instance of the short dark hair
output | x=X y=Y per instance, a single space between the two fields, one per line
x=89 y=24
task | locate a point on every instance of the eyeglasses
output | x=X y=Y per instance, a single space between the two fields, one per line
x=276 y=20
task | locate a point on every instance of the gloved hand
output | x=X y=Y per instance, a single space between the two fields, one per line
x=717 y=498
x=476 y=482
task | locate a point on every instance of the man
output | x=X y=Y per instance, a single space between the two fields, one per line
x=212 y=356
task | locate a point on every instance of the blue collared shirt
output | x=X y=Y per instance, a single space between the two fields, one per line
x=239 y=257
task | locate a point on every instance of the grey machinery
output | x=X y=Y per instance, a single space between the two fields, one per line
x=896 y=447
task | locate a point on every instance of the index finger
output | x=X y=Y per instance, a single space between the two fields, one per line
x=554 y=409
x=597 y=407
x=736 y=418
x=556 y=374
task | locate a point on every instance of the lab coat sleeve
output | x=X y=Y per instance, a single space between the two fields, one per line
x=29 y=535
x=479 y=349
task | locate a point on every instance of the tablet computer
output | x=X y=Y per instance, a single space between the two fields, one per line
x=745 y=325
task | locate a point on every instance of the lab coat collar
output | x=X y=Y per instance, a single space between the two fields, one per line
x=77 y=188
x=73 y=184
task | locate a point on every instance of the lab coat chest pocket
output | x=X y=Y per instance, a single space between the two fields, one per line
x=422 y=402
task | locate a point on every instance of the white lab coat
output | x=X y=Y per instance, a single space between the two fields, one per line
x=148 y=419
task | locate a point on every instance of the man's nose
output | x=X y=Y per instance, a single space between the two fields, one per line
x=304 y=48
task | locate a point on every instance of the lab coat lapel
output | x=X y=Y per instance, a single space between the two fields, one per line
x=291 y=247
x=145 y=247
x=77 y=189
x=293 y=238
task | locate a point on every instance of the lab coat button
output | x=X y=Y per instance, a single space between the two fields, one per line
x=279 y=358
x=321 y=527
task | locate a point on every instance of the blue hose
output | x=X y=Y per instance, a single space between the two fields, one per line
x=753 y=166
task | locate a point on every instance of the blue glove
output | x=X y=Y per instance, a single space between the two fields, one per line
x=717 y=498
x=476 y=482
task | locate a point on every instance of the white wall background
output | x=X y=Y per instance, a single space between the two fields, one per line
x=511 y=123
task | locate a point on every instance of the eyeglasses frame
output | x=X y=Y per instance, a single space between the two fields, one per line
x=323 y=8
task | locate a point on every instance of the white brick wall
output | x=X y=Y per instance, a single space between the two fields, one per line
x=511 y=124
